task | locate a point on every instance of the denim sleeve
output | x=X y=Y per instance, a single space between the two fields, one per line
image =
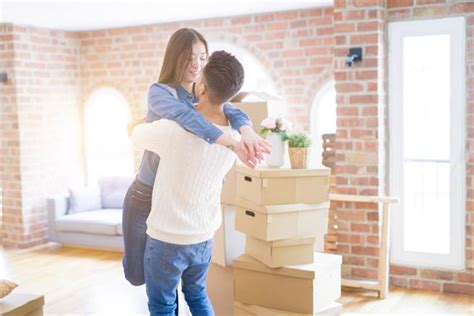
x=164 y=104
x=236 y=117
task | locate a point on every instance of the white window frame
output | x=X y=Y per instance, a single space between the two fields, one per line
x=455 y=27
x=316 y=134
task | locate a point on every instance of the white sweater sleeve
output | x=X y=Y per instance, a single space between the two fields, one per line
x=152 y=136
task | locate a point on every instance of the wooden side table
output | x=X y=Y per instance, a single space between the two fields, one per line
x=381 y=285
x=22 y=305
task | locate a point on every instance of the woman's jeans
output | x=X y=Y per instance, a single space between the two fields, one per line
x=136 y=208
x=165 y=265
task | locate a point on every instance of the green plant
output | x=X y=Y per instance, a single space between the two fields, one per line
x=299 y=140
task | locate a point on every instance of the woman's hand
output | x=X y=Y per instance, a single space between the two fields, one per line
x=254 y=145
x=134 y=123
x=242 y=154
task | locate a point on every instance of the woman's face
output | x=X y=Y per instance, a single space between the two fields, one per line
x=197 y=62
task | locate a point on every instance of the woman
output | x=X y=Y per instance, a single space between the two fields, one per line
x=185 y=210
x=171 y=98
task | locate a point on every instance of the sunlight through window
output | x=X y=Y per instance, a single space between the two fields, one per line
x=108 y=150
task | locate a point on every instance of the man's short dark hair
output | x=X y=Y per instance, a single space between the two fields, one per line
x=223 y=75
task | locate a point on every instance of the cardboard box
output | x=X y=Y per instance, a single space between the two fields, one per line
x=275 y=222
x=279 y=253
x=257 y=105
x=228 y=243
x=320 y=242
x=229 y=188
x=240 y=309
x=303 y=289
x=16 y=304
x=257 y=112
x=269 y=186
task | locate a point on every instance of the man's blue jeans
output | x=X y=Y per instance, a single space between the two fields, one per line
x=165 y=265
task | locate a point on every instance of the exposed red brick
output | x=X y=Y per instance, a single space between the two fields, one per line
x=399 y=3
x=437 y=275
x=425 y=285
x=459 y=288
x=398 y=282
x=399 y=270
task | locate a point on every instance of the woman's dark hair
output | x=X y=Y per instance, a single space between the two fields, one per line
x=178 y=55
x=223 y=76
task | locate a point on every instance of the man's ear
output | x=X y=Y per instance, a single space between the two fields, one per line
x=201 y=89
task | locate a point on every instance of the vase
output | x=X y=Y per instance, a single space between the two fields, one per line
x=299 y=158
x=276 y=158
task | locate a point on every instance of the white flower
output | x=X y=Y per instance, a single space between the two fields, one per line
x=269 y=123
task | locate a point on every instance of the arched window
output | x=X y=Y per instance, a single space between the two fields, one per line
x=256 y=78
x=323 y=119
x=108 y=150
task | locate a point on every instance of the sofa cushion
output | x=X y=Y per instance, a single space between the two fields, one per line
x=103 y=221
x=84 y=199
x=113 y=190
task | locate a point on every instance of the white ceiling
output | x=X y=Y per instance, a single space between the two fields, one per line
x=66 y=15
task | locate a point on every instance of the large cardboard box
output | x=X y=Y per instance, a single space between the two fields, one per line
x=275 y=222
x=16 y=304
x=303 y=289
x=281 y=253
x=240 y=309
x=270 y=186
x=257 y=105
x=257 y=112
x=229 y=188
x=228 y=243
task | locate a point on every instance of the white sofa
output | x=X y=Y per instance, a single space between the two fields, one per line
x=89 y=216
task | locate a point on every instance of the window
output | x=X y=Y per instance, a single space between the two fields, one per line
x=426 y=89
x=256 y=78
x=108 y=150
x=323 y=119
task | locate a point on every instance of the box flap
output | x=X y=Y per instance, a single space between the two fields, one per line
x=280 y=208
x=303 y=271
x=265 y=172
x=264 y=96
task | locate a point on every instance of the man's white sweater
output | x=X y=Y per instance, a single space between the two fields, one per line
x=186 y=195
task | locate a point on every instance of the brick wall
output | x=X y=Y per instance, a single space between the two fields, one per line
x=294 y=47
x=300 y=50
x=445 y=280
x=360 y=140
x=56 y=72
x=43 y=150
x=10 y=145
x=361 y=143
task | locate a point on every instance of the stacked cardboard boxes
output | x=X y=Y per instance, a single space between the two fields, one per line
x=228 y=243
x=283 y=212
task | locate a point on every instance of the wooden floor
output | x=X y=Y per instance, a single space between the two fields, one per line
x=81 y=281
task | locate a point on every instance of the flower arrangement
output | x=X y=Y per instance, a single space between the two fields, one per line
x=276 y=125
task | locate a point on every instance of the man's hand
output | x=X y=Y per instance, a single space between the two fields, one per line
x=254 y=145
x=243 y=155
x=134 y=123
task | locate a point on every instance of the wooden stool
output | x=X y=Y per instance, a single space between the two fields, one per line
x=381 y=285
x=22 y=305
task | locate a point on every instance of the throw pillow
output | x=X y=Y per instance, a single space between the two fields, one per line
x=6 y=287
x=84 y=199
x=113 y=190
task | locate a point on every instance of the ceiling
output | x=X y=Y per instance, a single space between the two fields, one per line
x=88 y=15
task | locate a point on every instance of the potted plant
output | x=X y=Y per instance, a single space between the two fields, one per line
x=275 y=129
x=299 y=144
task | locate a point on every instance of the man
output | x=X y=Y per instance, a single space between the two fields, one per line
x=185 y=210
